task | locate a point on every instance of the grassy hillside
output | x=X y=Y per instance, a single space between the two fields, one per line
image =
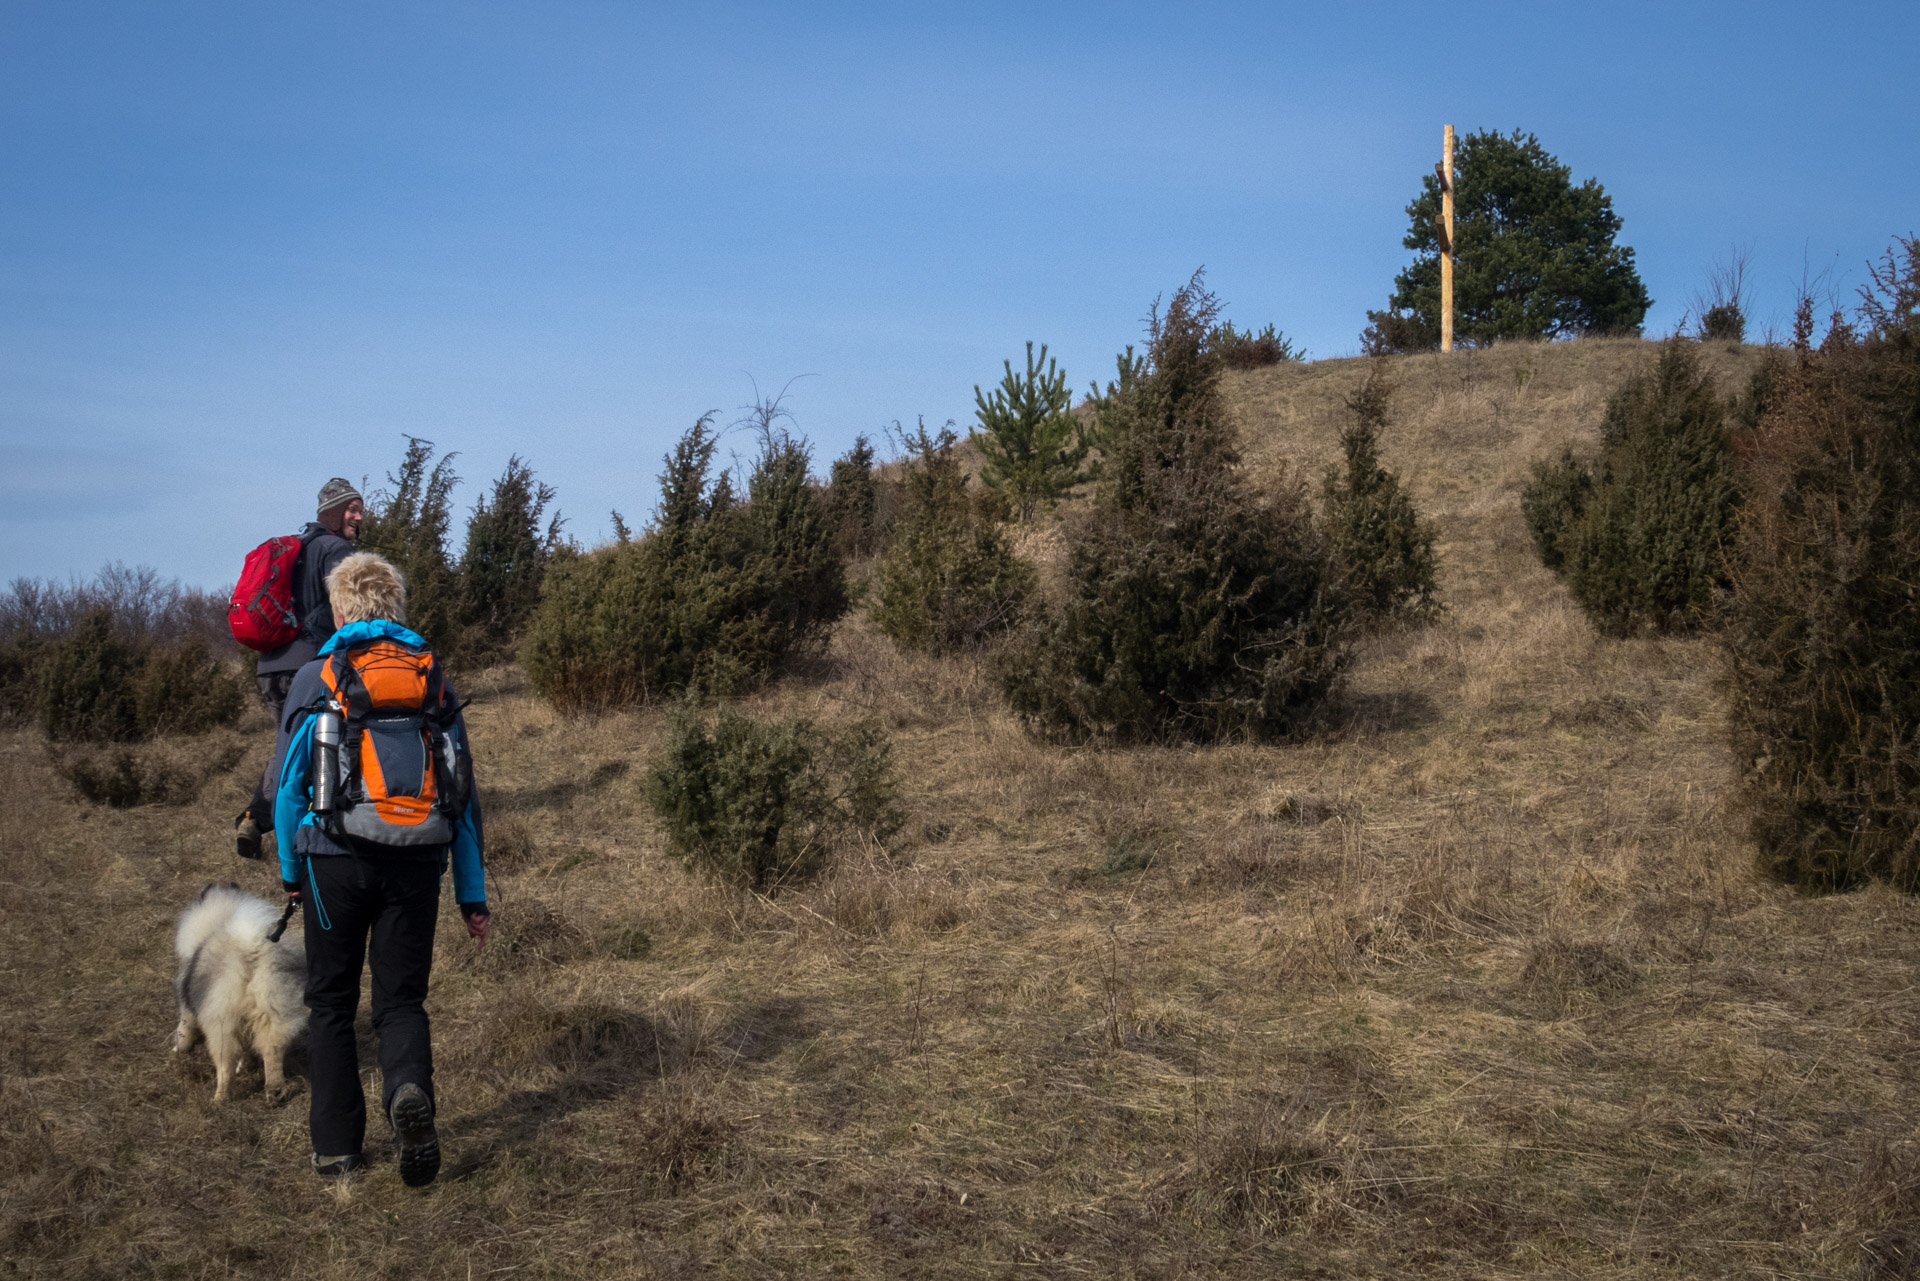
x=1480 y=984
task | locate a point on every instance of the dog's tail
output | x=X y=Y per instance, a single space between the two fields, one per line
x=242 y=917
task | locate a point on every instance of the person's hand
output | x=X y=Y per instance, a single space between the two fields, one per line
x=477 y=923
x=293 y=891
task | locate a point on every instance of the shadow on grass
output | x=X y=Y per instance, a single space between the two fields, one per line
x=555 y=795
x=1364 y=715
x=605 y=1053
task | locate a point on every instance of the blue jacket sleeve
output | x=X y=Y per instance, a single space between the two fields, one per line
x=291 y=794
x=468 y=854
x=469 y=843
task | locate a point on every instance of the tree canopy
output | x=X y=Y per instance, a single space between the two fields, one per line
x=1535 y=254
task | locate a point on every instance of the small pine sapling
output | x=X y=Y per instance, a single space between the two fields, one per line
x=1110 y=411
x=1035 y=449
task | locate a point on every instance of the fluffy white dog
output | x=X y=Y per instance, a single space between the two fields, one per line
x=235 y=987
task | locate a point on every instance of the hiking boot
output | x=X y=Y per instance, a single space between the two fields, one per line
x=338 y=1167
x=411 y=1114
x=246 y=836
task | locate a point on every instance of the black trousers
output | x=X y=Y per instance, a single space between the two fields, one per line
x=273 y=692
x=380 y=910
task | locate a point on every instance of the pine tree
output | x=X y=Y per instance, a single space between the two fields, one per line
x=1535 y=255
x=1034 y=448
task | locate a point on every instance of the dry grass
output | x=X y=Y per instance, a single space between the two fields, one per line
x=1479 y=984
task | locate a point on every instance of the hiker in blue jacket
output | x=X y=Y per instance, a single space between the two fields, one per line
x=369 y=889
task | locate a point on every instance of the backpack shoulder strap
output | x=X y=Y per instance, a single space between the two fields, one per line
x=436 y=702
x=343 y=682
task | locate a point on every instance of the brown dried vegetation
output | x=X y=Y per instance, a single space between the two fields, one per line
x=1479 y=983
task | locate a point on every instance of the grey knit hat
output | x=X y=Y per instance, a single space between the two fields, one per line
x=337 y=492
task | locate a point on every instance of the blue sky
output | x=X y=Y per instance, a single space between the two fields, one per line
x=247 y=246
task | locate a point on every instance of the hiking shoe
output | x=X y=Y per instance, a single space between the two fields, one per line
x=338 y=1167
x=411 y=1114
x=246 y=836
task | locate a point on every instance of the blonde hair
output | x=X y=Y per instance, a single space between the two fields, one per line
x=366 y=586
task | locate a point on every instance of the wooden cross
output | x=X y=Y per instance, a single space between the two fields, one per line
x=1443 y=232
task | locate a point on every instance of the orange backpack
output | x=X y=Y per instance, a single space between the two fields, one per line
x=402 y=776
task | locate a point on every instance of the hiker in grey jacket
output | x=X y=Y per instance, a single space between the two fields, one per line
x=326 y=541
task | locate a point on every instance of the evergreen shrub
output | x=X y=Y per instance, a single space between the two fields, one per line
x=22 y=657
x=473 y=609
x=950 y=579
x=510 y=542
x=1195 y=608
x=180 y=689
x=762 y=805
x=1722 y=308
x=87 y=692
x=1383 y=549
x=1723 y=323
x=408 y=524
x=717 y=595
x=1645 y=546
x=1554 y=502
x=1109 y=411
x=853 y=501
x=1252 y=350
x=113 y=671
x=116 y=708
x=1750 y=405
x=1398 y=333
x=1823 y=624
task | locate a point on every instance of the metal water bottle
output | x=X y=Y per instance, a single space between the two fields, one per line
x=327 y=727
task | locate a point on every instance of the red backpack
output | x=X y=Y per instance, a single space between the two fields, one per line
x=261 y=615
